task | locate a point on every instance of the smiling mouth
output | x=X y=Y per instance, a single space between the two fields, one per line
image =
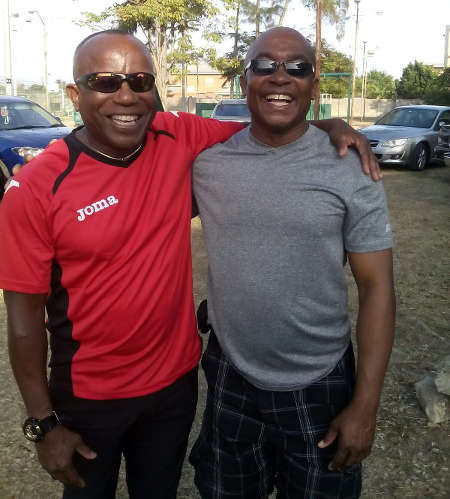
x=125 y=119
x=279 y=100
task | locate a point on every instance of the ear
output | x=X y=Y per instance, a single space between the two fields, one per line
x=73 y=92
x=243 y=84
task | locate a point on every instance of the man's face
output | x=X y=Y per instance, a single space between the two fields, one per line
x=115 y=123
x=279 y=102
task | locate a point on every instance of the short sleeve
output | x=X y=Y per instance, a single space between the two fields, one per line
x=205 y=132
x=26 y=250
x=367 y=226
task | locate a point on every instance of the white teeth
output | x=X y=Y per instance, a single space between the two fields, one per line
x=279 y=97
x=124 y=117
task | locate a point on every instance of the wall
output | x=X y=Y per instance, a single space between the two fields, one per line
x=373 y=107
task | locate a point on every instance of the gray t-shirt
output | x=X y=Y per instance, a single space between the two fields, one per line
x=277 y=225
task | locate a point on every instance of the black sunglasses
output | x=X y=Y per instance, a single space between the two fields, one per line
x=107 y=83
x=261 y=67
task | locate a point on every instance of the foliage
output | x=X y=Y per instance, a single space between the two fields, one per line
x=165 y=23
x=439 y=92
x=416 y=79
x=333 y=61
x=334 y=11
x=380 y=85
x=261 y=14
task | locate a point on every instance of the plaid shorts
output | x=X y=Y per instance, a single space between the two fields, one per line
x=253 y=440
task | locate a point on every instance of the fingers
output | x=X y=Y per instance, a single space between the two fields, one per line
x=55 y=454
x=338 y=461
x=329 y=438
x=85 y=451
x=68 y=476
x=346 y=458
x=342 y=149
x=369 y=161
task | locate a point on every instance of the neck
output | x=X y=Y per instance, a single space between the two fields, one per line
x=120 y=155
x=277 y=137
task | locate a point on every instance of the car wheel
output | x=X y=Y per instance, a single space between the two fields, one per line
x=419 y=158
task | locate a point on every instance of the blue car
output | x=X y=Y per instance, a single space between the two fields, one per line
x=25 y=128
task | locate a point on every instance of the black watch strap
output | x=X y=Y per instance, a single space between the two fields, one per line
x=35 y=429
x=49 y=422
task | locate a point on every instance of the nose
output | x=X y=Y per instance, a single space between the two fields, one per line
x=125 y=95
x=280 y=76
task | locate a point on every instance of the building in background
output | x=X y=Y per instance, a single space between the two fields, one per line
x=202 y=84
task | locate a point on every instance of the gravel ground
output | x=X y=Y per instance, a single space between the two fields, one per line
x=410 y=458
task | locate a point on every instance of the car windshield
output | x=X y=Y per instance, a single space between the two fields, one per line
x=232 y=110
x=15 y=115
x=413 y=117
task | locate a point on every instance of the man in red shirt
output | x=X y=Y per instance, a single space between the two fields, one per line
x=97 y=232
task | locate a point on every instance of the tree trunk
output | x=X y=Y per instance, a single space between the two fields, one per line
x=236 y=41
x=318 y=53
x=283 y=12
x=257 y=16
x=158 y=49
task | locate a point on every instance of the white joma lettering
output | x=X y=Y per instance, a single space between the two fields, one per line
x=90 y=209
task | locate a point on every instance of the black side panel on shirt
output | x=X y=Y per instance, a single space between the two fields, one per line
x=61 y=340
x=73 y=155
x=162 y=132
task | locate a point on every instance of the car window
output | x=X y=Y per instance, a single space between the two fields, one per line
x=232 y=110
x=24 y=115
x=412 y=117
x=445 y=116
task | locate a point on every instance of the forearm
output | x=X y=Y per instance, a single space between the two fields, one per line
x=27 y=341
x=329 y=124
x=375 y=336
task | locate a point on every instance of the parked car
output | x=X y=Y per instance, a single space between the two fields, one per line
x=407 y=135
x=232 y=110
x=25 y=128
x=442 y=150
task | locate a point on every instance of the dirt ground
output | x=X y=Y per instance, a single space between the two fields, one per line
x=410 y=458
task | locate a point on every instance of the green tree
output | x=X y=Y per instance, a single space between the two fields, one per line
x=164 y=23
x=380 y=85
x=333 y=61
x=334 y=11
x=261 y=14
x=439 y=92
x=416 y=79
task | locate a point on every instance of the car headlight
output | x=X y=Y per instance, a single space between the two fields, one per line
x=24 y=150
x=394 y=142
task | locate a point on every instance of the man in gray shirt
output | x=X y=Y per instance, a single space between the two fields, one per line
x=281 y=214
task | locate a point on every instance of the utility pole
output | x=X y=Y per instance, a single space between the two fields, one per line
x=363 y=93
x=354 y=61
x=44 y=27
x=7 y=46
x=318 y=52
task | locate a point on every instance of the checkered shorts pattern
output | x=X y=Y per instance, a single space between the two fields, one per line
x=253 y=440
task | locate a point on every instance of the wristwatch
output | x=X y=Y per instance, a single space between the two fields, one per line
x=36 y=429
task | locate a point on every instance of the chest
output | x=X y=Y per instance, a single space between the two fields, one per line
x=283 y=194
x=102 y=211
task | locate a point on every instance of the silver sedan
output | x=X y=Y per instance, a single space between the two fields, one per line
x=407 y=135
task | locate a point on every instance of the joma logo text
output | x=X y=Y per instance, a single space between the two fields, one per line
x=90 y=209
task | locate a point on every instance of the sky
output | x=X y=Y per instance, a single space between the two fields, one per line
x=396 y=31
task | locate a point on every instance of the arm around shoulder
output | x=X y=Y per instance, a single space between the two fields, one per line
x=343 y=136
